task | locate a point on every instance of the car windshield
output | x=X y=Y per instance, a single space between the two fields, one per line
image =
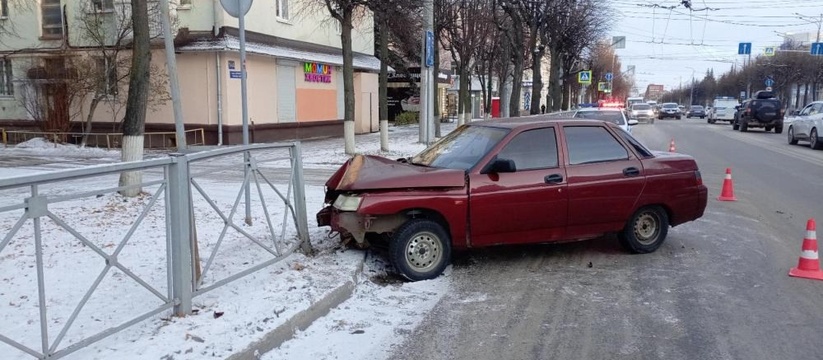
x=615 y=117
x=462 y=148
x=670 y=106
x=641 y=107
x=697 y=107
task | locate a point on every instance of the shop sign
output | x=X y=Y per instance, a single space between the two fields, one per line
x=316 y=72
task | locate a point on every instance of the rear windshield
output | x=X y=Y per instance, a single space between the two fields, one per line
x=615 y=117
x=669 y=106
x=697 y=107
x=641 y=107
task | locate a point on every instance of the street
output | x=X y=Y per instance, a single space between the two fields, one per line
x=717 y=289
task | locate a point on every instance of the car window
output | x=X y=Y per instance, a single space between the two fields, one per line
x=615 y=117
x=636 y=144
x=816 y=109
x=641 y=107
x=462 y=148
x=697 y=107
x=533 y=149
x=592 y=144
x=806 y=110
x=670 y=106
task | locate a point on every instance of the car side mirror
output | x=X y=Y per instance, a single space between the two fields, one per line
x=633 y=122
x=796 y=113
x=500 y=166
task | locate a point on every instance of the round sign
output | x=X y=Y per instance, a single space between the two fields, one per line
x=769 y=88
x=236 y=8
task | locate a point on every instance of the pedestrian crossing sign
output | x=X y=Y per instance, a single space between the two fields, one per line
x=584 y=77
x=769 y=51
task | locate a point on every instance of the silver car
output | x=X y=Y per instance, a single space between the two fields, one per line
x=642 y=112
x=613 y=115
x=807 y=125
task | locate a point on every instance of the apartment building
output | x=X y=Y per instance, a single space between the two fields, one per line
x=294 y=68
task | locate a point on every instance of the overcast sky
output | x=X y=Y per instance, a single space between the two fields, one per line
x=663 y=44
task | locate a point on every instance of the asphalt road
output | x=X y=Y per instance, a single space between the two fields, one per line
x=717 y=289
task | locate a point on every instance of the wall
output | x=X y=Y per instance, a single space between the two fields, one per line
x=317 y=100
x=366 y=114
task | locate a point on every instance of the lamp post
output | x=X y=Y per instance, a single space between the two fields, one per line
x=691 y=96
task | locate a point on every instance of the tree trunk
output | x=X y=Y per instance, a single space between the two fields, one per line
x=384 y=81
x=517 y=85
x=537 y=77
x=348 y=81
x=554 y=85
x=87 y=128
x=462 y=92
x=135 y=118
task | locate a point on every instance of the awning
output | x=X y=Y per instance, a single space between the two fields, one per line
x=232 y=43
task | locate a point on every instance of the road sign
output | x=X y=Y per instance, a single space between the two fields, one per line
x=609 y=76
x=744 y=49
x=584 y=77
x=602 y=86
x=619 y=42
x=769 y=51
x=769 y=82
x=817 y=48
x=236 y=8
x=429 y=49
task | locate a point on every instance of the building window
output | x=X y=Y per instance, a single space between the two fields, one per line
x=6 y=85
x=4 y=9
x=186 y=3
x=52 y=18
x=107 y=75
x=282 y=9
x=103 y=5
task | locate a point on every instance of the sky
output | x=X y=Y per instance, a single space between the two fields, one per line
x=668 y=46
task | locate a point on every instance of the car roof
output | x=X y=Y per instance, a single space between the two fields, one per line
x=534 y=121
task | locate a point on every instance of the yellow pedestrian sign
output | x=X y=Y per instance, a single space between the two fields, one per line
x=602 y=86
x=769 y=51
x=584 y=77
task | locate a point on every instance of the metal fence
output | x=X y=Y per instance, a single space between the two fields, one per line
x=151 y=140
x=181 y=196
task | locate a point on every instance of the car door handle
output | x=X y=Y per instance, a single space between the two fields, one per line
x=631 y=171
x=553 y=179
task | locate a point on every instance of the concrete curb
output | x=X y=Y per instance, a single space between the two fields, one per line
x=300 y=321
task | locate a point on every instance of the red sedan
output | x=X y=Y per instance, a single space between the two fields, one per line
x=513 y=181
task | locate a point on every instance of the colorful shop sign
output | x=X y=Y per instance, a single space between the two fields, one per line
x=316 y=72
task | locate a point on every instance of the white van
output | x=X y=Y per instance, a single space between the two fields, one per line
x=723 y=109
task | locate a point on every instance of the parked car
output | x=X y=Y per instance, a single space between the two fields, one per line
x=613 y=115
x=807 y=125
x=763 y=111
x=668 y=110
x=513 y=181
x=642 y=112
x=682 y=109
x=696 y=111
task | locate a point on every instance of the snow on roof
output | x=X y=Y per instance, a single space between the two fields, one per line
x=232 y=43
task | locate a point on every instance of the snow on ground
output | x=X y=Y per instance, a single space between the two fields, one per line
x=41 y=146
x=228 y=318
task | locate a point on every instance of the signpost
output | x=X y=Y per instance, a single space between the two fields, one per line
x=609 y=76
x=769 y=82
x=817 y=49
x=769 y=51
x=584 y=77
x=744 y=49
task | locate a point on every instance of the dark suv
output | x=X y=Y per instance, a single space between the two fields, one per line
x=696 y=111
x=763 y=111
x=668 y=110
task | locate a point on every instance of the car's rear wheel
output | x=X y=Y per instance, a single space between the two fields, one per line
x=645 y=231
x=792 y=139
x=814 y=142
x=735 y=126
x=420 y=249
x=768 y=128
x=778 y=129
x=744 y=125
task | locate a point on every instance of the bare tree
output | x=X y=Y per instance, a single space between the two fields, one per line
x=136 y=105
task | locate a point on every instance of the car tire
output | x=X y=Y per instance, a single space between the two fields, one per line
x=735 y=126
x=792 y=139
x=768 y=128
x=744 y=125
x=645 y=231
x=434 y=251
x=678 y=118
x=814 y=141
x=778 y=129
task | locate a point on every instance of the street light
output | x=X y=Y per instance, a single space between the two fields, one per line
x=691 y=96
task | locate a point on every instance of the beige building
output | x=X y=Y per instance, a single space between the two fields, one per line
x=294 y=68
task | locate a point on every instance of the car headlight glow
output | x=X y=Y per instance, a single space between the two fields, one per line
x=347 y=202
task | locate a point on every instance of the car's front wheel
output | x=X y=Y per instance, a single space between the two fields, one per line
x=792 y=139
x=420 y=249
x=645 y=231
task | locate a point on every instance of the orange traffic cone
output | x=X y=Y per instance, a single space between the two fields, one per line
x=808 y=266
x=671 y=146
x=728 y=188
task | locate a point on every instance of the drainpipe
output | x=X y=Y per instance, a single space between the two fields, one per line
x=219 y=100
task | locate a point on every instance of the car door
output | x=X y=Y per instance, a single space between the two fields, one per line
x=525 y=206
x=605 y=180
x=801 y=123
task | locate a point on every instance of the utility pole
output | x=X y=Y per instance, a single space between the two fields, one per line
x=428 y=81
x=174 y=84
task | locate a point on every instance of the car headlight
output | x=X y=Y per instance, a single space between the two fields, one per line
x=347 y=202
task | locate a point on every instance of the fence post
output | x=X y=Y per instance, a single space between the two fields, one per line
x=300 y=198
x=180 y=234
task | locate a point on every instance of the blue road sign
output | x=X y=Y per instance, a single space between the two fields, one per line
x=609 y=76
x=744 y=49
x=429 y=49
x=769 y=82
x=817 y=48
x=584 y=77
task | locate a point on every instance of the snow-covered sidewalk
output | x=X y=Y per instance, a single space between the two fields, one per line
x=252 y=310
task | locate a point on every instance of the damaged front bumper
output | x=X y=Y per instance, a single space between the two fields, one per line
x=357 y=225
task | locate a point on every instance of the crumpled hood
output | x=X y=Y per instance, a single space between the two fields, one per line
x=369 y=172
